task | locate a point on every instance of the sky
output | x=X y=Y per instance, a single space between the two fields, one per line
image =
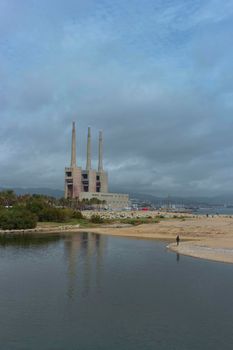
x=155 y=75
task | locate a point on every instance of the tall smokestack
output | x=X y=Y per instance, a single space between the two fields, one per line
x=100 y=165
x=88 y=167
x=73 y=147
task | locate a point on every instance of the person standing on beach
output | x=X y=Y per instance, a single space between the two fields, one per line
x=177 y=240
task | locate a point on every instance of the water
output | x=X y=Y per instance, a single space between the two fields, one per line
x=87 y=291
x=214 y=211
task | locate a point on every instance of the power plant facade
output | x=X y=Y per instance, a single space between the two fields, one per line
x=90 y=183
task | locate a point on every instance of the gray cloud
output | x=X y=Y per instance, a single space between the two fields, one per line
x=157 y=81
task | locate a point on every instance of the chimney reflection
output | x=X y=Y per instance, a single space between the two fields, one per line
x=84 y=253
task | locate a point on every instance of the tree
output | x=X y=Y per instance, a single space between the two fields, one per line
x=12 y=219
x=36 y=205
x=7 y=198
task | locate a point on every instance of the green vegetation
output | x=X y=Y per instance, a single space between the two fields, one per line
x=141 y=220
x=96 y=219
x=23 y=212
x=76 y=204
x=7 y=198
x=72 y=222
x=46 y=210
x=77 y=215
x=180 y=217
x=12 y=219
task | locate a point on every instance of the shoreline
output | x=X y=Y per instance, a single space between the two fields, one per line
x=203 y=252
x=201 y=237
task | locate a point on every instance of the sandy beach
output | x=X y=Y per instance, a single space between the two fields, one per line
x=201 y=237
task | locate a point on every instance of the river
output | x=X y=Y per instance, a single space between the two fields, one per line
x=87 y=291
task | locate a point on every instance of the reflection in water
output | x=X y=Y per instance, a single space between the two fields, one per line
x=100 y=242
x=144 y=299
x=27 y=240
x=83 y=251
x=177 y=257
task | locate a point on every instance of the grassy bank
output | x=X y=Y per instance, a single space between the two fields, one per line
x=97 y=220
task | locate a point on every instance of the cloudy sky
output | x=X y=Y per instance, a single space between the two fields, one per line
x=155 y=75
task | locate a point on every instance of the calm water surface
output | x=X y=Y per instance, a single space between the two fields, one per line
x=214 y=211
x=87 y=291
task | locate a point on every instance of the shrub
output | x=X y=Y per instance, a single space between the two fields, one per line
x=77 y=215
x=36 y=206
x=96 y=219
x=54 y=214
x=13 y=219
x=156 y=220
x=133 y=221
x=137 y=222
x=7 y=198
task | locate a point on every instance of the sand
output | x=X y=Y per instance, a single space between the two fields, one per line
x=201 y=237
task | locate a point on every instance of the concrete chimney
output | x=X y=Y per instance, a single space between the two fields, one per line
x=73 y=147
x=88 y=166
x=100 y=165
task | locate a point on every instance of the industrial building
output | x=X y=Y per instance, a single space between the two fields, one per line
x=91 y=183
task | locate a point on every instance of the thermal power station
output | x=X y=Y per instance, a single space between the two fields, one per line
x=90 y=183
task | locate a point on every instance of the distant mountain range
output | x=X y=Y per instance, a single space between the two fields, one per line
x=216 y=200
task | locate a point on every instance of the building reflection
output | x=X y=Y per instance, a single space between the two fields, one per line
x=84 y=254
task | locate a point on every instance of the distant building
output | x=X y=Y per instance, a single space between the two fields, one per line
x=90 y=183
